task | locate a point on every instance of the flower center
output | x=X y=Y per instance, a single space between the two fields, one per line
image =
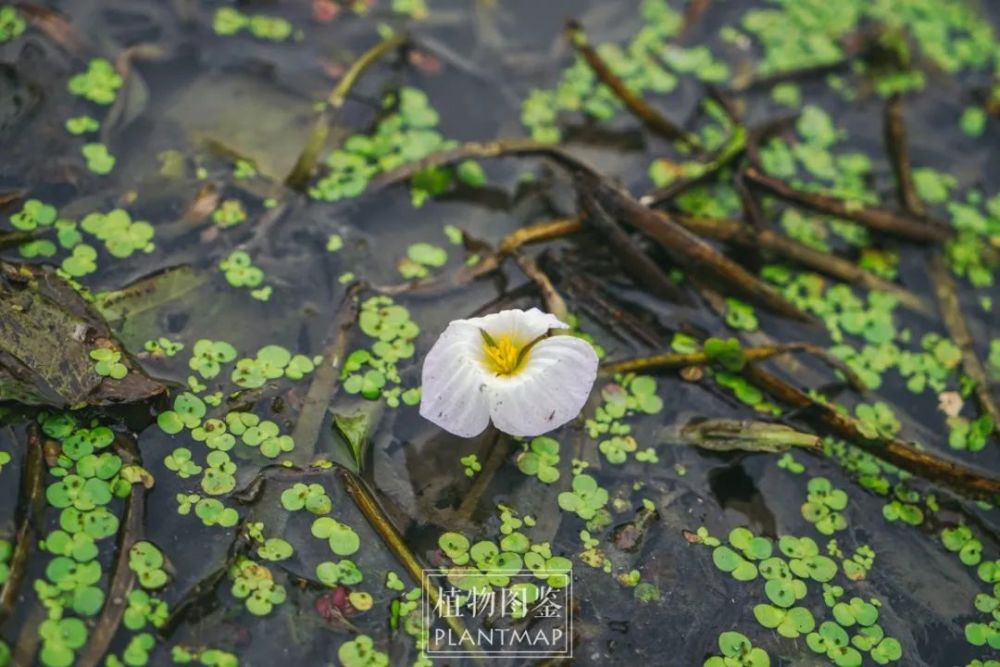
x=503 y=355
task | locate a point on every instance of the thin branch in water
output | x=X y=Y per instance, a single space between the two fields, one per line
x=324 y=384
x=689 y=251
x=945 y=288
x=732 y=231
x=516 y=147
x=636 y=263
x=701 y=171
x=299 y=176
x=543 y=231
x=677 y=360
x=122 y=577
x=901 y=224
x=30 y=506
x=554 y=303
x=920 y=463
x=372 y=510
x=951 y=314
x=899 y=156
x=653 y=119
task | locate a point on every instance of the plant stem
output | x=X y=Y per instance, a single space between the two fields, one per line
x=122 y=578
x=945 y=288
x=653 y=119
x=690 y=252
x=917 y=462
x=30 y=507
x=324 y=384
x=677 y=360
x=901 y=224
x=299 y=176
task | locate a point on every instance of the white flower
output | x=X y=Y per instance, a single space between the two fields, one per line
x=506 y=367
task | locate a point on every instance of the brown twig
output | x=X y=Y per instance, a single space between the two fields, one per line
x=636 y=263
x=542 y=231
x=900 y=224
x=951 y=314
x=122 y=578
x=641 y=109
x=31 y=504
x=945 y=288
x=899 y=156
x=917 y=462
x=486 y=149
x=702 y=171
x=732 y=231
x=324 y=383
x=689 y=251
x=554 y=303
x=676 y=360
x=377 y=518
x=299 y=176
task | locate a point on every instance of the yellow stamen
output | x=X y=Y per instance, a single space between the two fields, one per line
x=503 y=355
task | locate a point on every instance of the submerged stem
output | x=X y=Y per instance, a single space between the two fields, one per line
x=30 y=505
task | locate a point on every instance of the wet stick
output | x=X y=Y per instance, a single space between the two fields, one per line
x=900 y=224
x=554 y=303
x=324 y=384
x=299 y=176
x=372 y=510
x=899 y=156
x=945 y=288
x=122 y=577
x=676 y=360
x=690 y=252
x=30 y=506
x=951 y=314
x=732 y=231
x=637 y=106
x=920 y=463
x=636 y=263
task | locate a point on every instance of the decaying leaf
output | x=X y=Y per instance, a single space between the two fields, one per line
x=148 y=292
x=723 y=435
x=47 y=332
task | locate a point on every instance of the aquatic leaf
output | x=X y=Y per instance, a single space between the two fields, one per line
x=751 y=436
x=47 y=334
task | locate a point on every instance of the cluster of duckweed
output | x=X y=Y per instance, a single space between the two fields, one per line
x=726 y=359
x=540 y=458
x=420 y=259
x=86 y=479
x=230 y=21
x=239 y=271
x=372 y=372
x=229 y=213
x=162 y=347
x=824 y=506
x=628 y=395
x=12 y=24
x=471 y=465
x=490 y=563
x=405 y=135
x=108 y=363
x=254 y=584
x=792 y=568
x=738 y=651
x=985 y=629
x=120 y=235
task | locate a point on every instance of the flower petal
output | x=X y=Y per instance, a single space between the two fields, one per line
x=550 y=391
x=453 y=393
x=521 y=325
